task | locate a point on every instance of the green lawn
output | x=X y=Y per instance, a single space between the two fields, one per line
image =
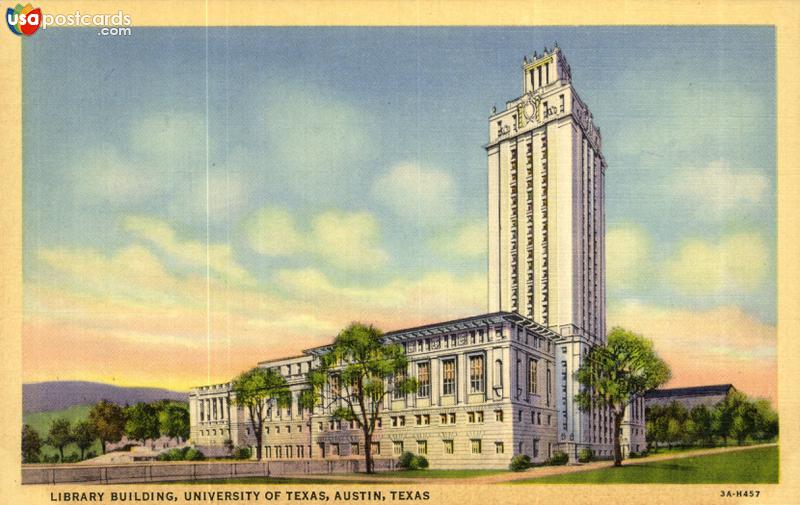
x=275 y=480
x=40 y=421
x=748 y=466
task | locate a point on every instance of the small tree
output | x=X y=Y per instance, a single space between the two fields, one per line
x=60 y=435
x=766 y=421
x=83 y=435
x=360 y=370
x=613 y=374
x=699 y=425
x=31 y=444
x=108 y=422
x=254 y=390
x=173 y=420
x=141 y=422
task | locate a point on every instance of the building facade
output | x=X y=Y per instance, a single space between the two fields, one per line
x=498 y=384
x=689 y=397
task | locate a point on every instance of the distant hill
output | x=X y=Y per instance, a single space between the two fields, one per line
x=58 y=395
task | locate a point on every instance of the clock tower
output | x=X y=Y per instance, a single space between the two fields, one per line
x=546 y=182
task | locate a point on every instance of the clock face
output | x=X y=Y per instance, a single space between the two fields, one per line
x=531 y=108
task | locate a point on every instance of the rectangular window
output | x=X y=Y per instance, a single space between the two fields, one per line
x=475 y=445
x=540 y=76
x=448 y=376
x=424 y=379
x=476 y=374
x=397 y=447
x=547 y=73
x=335 y=387
x=533 y=372
x=376 y=448
x=335 y=449
x=548 y=385
x=470 y=417
x=422 y=447
x=535 y=447
x=442 y=418
x=448 y=446
x=278 y=451
x=399 y=378
x=402 y=420
x=498 y=416
x=499 y=448
x=354 y=449
x=561 y=99
x=452 y=418
x=426 y=419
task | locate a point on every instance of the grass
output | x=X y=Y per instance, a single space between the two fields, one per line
x=443 y=474
x=274 y=480
x=40 y=421
x=747 y=466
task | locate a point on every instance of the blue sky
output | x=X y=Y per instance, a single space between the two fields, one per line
x=347 y=164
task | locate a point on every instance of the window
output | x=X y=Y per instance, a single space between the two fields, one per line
x=399 y=378
x=380 y=422
x=376 y=448
x=475 y=417
x=397 y=447
x=277 y=429
x=301 y=453
x=334 y=449
x=452 y=418
x=418 y=419
x=470 y=417
x=498 y=448
x=426 y=419
x=498 y=373
x=561 y=99
x=335 y=386
x=448 y=446
x=424 y=379
x=422 y=447
x=442 y=418
x=475 y=445
x=288 y=429
x=549 y=380
x=535 y=447
x=533 y=371
x=278 y=451
x=448 y=376
x=354 y=449
x=498 y=416
x=476 y=374
x=519 y=417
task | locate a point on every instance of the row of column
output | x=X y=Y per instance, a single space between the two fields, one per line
x=213 y=409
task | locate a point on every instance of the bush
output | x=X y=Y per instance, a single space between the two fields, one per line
x=90 y=455
x=635 y=455
x=585 y=455
x=520 y=462
x=558 y=458
x=53 y=458
x=409 y=461
x=194 y=455
x=242 y=453
x=73 y=457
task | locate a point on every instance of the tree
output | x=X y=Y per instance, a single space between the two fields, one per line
x=60 y=435
x=31 y=444
x=256 y=390
x=108 y=422
x=83 y=435
x=766 y=420
x=173 y=421
x=699 y=425
x=141 y=422
x=626 y=367
x=359 y=370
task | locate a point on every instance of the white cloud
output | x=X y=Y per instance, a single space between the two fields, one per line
x=170 y=135
x=418 y=194
x=467 y=241
x=346 y=240
x=218 y=258
x=628 y=261
x=737 y=263
x=104 y=174
x=717 y=190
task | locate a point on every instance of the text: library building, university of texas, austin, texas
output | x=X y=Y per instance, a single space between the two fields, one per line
x=498 y=384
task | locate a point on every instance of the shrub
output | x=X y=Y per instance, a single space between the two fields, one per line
x=635 y=455
x=519 y=462
x=194 y=455
x=585 y=455
x=242 y=453
x=72 y=457
x=411 y=461
x=558 y=458
x=90 y=455
x=53 y=458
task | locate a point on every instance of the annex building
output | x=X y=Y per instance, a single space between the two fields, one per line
x=493 y=385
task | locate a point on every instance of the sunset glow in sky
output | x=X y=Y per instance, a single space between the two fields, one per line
x=190 y=212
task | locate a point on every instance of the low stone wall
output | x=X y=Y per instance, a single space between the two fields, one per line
x=158 y=471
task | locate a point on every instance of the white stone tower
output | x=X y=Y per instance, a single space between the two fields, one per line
x=547 y=226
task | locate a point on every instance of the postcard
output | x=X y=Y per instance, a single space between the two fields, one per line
x=399 y=252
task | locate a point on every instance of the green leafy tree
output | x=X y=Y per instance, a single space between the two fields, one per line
x=173 y=421
x=626 y=367
x=141 y=422
x=108 y=422
x=766 y=420
x=59 y=435
x=83 y=435
x=729 y=411
x=31 y=444
x=699 y=426
x=359 y=370
x=256 y=390
x=656 y=425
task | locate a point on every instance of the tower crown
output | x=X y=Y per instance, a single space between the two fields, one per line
x=543 y=70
